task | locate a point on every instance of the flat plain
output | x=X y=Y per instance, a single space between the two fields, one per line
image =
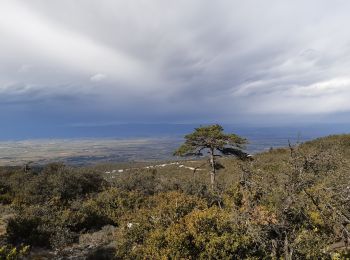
x=86 y=151
x=80 y=151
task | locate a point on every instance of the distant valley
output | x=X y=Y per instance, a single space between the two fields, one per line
x=153 y=146
x=85 y=151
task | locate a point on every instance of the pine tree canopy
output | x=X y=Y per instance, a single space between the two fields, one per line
x=212 y=138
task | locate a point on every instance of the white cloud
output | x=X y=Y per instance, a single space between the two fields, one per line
x=24 y=68
x=97 y=77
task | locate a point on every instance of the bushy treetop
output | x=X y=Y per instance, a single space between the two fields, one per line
x=213 y=138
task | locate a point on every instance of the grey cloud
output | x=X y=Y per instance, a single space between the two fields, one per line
x=178 y=59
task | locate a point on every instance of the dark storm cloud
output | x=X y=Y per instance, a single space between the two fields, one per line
x=174 y=60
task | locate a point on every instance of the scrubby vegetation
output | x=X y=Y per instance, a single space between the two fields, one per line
x=290 y=203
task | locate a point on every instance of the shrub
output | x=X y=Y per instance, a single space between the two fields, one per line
x=27 y=230
x=12 y=253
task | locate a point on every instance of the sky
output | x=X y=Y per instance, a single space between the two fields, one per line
x=87 y=63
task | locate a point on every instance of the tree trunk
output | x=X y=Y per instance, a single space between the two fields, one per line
x=274 y=249
x=288 y=252
x=212 y=173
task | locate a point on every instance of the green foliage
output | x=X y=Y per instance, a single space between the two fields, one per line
x=199 y=234
x=212 y=140
x=209 y=137
x=146 y=182
x=54 y=182
x=213 y=234
x=158 y=213
x=287 y=203
x=13 y=253
x=106 y=208
x=27 y=230
x=41 y=198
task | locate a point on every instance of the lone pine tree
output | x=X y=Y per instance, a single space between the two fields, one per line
x=213 y=141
